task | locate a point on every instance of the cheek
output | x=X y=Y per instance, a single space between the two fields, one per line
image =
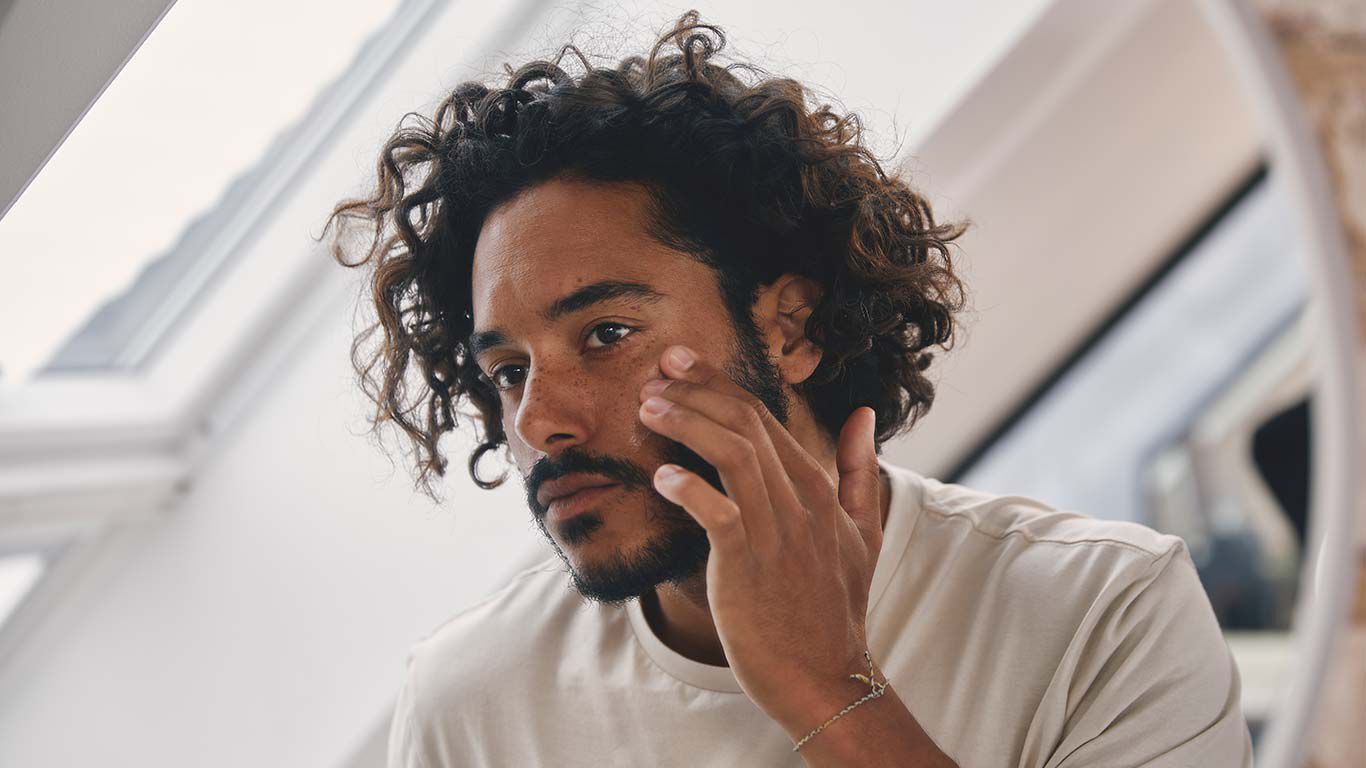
x=625 y=415
x=626 y=412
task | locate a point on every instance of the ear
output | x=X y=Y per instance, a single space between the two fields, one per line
x=781 y=312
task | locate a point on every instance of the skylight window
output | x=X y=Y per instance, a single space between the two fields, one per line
x=18 y=574
x=103 y=237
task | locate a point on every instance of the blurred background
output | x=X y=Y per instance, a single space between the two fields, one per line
x=203 y=558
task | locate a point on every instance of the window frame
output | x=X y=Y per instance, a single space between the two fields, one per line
x=85 y=454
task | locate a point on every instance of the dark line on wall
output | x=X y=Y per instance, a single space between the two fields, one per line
x=1103 y=329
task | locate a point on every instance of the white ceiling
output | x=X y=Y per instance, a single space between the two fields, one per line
x=56 y=57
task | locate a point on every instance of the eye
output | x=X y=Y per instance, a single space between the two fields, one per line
x=605 y=334
x=608 y=334
x=500 y=376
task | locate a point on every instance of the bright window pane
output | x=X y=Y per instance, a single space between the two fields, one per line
x=196 y=106
x=18 y=574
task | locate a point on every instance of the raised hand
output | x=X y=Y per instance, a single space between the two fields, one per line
x=792 y=551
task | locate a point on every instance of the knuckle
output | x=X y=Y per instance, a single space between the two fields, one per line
x=740 y=416
x=752 y=416
x=728 y=516
x=757 y=410
x=738 y=452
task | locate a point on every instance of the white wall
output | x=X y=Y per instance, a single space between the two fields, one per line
x=263 y=622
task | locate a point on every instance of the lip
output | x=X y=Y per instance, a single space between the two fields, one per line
x=568 y=484
x=565 y=507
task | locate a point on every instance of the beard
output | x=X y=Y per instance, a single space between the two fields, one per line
x=678 y=549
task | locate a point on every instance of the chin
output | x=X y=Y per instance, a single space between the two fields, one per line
x=609 y=572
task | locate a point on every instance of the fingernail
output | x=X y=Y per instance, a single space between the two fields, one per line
x=657 y=405
x=655 y=386
x=681 y=357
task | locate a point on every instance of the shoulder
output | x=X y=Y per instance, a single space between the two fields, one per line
x=497 y=639
x=1035 y=566
x=1037 y=542
x=1129 y=656
x=451 y=670
x=1031 y=521
x=528 y=590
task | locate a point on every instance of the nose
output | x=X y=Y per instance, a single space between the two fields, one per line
x=554 y=413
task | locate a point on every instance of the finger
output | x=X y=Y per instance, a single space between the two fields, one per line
x=739 y=415
x=860 y=489
x=719 y=516
x=815 y=487
x=735 y=459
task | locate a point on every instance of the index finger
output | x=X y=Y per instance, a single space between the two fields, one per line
x=809 y=478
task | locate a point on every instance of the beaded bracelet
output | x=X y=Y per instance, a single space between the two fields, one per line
x=877 y=690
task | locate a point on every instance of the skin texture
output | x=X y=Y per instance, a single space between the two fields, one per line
x=793 y=523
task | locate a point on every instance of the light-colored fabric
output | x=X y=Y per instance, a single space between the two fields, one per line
x=1017 y=635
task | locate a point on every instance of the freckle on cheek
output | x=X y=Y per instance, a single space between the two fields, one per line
x=637 y=442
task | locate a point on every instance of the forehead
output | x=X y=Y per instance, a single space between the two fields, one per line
x=560 y=235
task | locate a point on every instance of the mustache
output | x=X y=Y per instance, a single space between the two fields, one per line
x=572 y=462
x=628 y=473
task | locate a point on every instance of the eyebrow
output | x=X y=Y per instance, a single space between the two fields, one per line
x=589 y=295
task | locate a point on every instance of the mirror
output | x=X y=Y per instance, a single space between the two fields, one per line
x=1161 y=331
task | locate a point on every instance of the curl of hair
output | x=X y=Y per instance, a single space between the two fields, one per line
x=743 y=176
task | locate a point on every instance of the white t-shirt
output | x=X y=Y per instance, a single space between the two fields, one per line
x=1016 y=634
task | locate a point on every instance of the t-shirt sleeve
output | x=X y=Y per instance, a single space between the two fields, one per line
x=1154 y=683
x=405 y=748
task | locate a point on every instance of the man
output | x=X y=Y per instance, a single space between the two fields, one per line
x=659 y=267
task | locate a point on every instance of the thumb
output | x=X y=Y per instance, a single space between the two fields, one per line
x=856 y=458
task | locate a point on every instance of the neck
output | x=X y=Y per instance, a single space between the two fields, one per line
x=680 y=615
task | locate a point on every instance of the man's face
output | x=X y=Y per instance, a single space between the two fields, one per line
x=570 y=383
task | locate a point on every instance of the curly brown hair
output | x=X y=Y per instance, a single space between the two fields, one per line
x=742 y=176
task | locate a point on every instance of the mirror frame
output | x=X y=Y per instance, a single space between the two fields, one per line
x=1327 y=576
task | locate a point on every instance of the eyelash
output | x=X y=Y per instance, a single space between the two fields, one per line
x=492 y=377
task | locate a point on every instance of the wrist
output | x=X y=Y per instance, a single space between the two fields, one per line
x=812 y=704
